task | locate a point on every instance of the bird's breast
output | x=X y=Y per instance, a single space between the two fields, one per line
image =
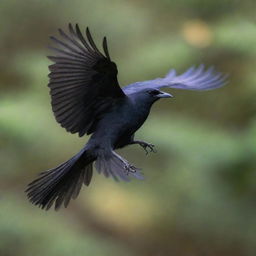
x=121 y=122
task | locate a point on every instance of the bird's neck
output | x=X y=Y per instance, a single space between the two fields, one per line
x=142 y=107
x=142 y=103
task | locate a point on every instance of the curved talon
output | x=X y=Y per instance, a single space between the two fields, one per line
x=148 y=147
x=152 y=148
x=130 y=168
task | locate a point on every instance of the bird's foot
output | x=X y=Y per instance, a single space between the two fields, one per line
x=130 y=168
x=146 y=146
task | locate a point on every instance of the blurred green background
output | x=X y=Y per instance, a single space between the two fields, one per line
x=198 y=197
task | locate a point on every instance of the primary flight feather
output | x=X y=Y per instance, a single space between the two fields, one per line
x=86 y=98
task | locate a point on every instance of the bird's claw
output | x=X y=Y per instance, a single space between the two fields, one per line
x=148 y=147
x=130 y=168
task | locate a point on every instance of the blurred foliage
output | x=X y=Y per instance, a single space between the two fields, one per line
x=199 y=193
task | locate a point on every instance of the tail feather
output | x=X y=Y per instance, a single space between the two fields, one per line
x=117 y=167
x=62 y=183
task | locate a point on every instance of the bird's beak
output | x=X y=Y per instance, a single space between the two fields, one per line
x=164 y=95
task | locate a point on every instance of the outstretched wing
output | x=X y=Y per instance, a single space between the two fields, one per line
x=193 y=79
x=83 y=82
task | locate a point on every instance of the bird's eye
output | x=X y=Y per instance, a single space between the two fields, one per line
x=153 y=92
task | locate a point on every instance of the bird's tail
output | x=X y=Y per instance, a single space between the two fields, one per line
x=62 y=183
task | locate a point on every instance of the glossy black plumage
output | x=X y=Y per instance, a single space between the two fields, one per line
x=86 y=98
x=78 y=66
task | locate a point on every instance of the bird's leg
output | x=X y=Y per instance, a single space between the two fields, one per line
x=146 y=146
x=127 y=166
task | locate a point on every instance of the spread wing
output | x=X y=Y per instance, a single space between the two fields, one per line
x=83 y=81
x=193 y=79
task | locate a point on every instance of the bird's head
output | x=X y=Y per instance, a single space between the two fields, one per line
x=151 y=95
x=157 y=94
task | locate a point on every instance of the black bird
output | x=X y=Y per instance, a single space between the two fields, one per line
x=87 y=99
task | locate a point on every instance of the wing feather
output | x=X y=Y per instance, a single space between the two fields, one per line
x=105 y=47
x=193 y=79
x=81 y=79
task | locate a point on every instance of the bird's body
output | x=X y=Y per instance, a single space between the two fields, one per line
x=87 y=99
x=120 y=123
x=116 y=129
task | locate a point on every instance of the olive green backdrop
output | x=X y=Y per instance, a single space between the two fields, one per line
x=198 y=197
